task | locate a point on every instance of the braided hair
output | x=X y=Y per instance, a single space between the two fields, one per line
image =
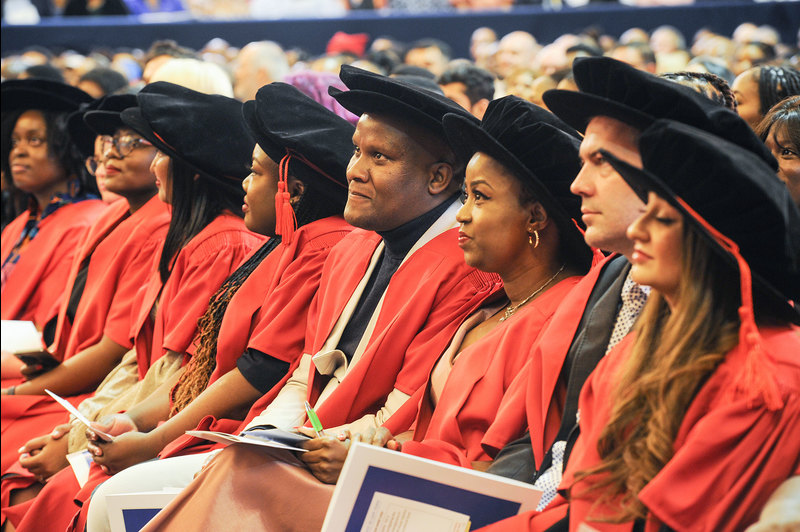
x=709 y=85
x=315 y=203
x=776 y=83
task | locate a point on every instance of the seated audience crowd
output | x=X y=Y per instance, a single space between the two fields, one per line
x=575 y=265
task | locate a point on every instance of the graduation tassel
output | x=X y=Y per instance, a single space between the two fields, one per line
x=755 y=379
x=285 y=220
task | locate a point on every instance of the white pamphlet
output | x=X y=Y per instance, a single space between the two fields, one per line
x=20 y=337
x=80 y=417
x=275 y=438
x=388 y=513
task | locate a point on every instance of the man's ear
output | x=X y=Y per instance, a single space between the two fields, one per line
x=441 y=177
x=296 y=189
x=479 y=109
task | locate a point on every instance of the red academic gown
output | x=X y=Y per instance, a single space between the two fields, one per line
x=269 y=312
x=122 y=249
x=427 y=298
x=468 y=404
x=200 y=268
x=730 y=454
x=35 y=286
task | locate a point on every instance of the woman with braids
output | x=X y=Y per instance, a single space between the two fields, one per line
x=42 y=161
x=780 y=131
x=759 y=88
x=200 y=177
x=709 y=85
x=690 y=423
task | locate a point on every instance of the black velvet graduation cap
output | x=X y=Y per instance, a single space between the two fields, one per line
x=40 y=94
x=371 y=92
x=105 y=121
x=283 y=119
x=540 y=150
x=105 y=118
x=79 y=132
x=615 y=89
x=206 y=131
x=732 y=190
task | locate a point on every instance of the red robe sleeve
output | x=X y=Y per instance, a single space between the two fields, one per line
x=122 y=258
x=198 y=275
x=199 y=270
x=35 y=286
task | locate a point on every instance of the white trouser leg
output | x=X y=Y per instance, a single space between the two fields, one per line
x=154 y=475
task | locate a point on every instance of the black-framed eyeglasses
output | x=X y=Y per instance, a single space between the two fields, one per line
x=123 y=144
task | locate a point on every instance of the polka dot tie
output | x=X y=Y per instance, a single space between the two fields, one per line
x=549 y=480
x=633 y=298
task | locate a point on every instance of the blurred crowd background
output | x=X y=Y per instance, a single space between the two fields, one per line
x=514 y=63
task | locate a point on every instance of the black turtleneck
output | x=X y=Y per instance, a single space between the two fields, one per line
x=398 y=242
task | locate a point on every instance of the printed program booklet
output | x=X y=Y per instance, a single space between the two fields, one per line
x=275 y=438
x=383 y=490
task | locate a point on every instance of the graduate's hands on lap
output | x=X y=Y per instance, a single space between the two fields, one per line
x=325 y=455
x=115 y=425
x=126 y=450
x=46 y=455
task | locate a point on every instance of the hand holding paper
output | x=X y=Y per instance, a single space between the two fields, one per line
x=80 y=417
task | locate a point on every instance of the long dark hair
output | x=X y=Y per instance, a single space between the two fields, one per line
x=320 y=199
x=674 y=353
x=197 y=199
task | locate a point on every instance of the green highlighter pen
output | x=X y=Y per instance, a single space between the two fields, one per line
x=312 y=416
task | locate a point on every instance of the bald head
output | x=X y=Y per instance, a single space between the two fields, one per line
x=515 y=50
x=258 y=64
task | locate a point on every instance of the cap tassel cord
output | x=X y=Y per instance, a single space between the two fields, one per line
x=753 y=378
x=285 y=220
x=597 y=253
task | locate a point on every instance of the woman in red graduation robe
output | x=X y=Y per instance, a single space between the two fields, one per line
x=691 y=423
x=201 y=179
x=517 y=222
x=37 y=247
x=113 y=261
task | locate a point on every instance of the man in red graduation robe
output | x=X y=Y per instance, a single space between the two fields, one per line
x=391 y=292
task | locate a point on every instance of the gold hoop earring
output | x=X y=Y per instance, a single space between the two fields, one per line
x=530 y=239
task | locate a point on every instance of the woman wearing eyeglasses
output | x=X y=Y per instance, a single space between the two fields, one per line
x=38 y=246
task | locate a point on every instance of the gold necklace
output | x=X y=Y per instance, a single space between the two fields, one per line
x=510 y=310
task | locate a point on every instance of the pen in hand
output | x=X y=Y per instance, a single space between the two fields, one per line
x=312 y=416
